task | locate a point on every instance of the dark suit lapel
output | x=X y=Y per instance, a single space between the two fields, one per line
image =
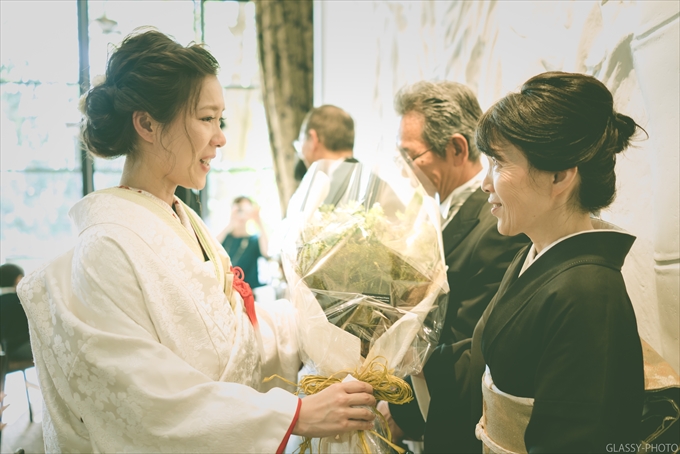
x=464 y=221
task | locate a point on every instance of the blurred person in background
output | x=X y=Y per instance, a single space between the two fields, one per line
x=243 y=248
x=327 y=132
x=13 y=322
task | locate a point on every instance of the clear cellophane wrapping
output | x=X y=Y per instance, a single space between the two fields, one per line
x=364 y=260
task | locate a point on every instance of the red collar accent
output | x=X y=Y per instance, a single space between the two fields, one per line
x=246 y=293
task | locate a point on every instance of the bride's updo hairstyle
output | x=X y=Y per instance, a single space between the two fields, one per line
x=148 y=72
x=560 y=121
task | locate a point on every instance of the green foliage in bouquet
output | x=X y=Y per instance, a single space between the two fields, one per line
x=350 y=250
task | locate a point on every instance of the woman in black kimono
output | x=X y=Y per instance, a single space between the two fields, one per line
x=560 y=338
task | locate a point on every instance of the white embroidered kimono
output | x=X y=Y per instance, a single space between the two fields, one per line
x=137 y=347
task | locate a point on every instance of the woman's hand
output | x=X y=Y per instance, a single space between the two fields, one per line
x=332 y=411
x=255 y=215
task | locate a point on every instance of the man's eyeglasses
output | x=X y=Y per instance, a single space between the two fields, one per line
x=297 y=144
x=411 y=159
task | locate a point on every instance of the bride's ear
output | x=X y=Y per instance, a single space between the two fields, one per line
x=145 y=126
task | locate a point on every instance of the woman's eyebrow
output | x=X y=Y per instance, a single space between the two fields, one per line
x=214 y=107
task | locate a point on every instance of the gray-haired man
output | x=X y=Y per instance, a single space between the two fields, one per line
x=438 y=121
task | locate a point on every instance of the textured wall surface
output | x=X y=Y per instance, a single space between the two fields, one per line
x=365 y=51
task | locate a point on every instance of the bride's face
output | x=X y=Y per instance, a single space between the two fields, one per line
x=193 y=139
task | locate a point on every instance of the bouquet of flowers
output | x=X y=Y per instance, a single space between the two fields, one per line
x=364 y=260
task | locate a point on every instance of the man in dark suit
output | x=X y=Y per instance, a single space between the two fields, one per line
x=13 y=322
x=436 y=134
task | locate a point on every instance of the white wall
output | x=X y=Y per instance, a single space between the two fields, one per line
x=367 y=50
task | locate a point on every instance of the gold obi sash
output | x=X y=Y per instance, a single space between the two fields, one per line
x=504 y=419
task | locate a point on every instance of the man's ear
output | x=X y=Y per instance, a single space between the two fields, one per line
x=313 y=137
x=564 y=180
x=457 y=149
x=316 y=152
x=145 y=126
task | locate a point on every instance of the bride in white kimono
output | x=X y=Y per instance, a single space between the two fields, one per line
x=145 y=339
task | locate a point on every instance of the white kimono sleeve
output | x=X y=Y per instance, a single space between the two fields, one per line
x=278 y=326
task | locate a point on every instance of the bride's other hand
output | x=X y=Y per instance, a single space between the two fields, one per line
x=335 y=410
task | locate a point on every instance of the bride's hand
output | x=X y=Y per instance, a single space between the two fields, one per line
x=332 y=411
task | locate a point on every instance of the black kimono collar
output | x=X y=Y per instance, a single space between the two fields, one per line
x=607 y=248
x=604 y=248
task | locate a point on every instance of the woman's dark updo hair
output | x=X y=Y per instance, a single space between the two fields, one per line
x=559 y=121
x=149 y=72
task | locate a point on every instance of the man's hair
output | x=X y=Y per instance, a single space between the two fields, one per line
x=333 y=126
x=9 y=272
x=448 y=108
